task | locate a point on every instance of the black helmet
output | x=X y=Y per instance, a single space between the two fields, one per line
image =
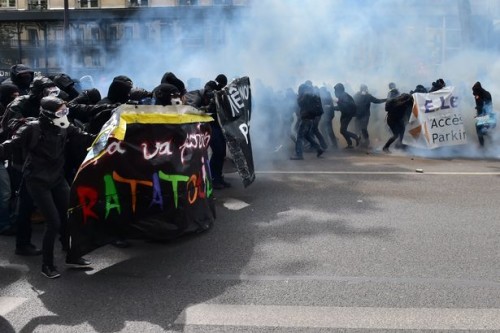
x=164 y=94
x=221 y=80
x=50 y=105
x=39 y=84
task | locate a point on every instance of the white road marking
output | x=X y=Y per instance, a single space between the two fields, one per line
x=340 y=317
x=7 y=304
x=379 y=173
x=234 y=204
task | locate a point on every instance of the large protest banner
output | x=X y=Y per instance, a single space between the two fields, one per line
x=435 y=121
x=145 y=176
x=234 y=110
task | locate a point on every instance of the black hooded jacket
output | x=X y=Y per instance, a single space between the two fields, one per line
x=44 y=153
x=484 y=103
x=16 y=72
x=6 y=92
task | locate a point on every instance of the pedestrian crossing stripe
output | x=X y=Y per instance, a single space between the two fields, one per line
x=341 y=317
x=7 y=304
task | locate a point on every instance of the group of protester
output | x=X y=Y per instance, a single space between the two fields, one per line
x=47 y=123
x=316 y=108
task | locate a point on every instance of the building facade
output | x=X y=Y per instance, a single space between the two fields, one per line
x=81 y=35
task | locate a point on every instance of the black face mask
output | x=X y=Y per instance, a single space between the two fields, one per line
x=23 y=80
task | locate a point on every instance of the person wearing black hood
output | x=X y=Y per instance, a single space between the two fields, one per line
x=310 y=107
x=118 y=92
x=204 y=99
x=363 y=100
x=21 y=76
x=437 y=85
x=170 y=78
x=347 y=108
x=484 y=107
x=17 y=111
x=8 y=92
x=166 y=94
x=43 y=142
x=221 y=80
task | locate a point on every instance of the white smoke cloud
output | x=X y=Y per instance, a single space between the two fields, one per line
x=280 y=44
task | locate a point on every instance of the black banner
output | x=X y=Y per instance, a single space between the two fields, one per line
x=146 y=176
x=234 y=109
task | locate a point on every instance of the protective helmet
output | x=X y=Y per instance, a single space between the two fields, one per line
x=167 y=94
x=39 y=84
x=54 y=109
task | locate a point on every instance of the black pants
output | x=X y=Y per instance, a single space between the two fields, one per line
x=53 y=202
x=397 y=127
x=344 y=123
x=24 y=208
x=218 y=146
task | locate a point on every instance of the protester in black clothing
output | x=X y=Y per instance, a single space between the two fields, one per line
x=204 y=99
x=43 y=142
x=484 y=107
x=309 y=108
x=326 y=123
x=221 y=80
x=21 y=76
x=363 y=100
x=118 y=92
x=393 y=91
x=167 y=94
x=347 y=108
x=317 y=119
x=437 y=85
x=23 y=107
x=66 y=84
x=419 y=89
x=8 y=92
x=397 y=108
x=170 y=77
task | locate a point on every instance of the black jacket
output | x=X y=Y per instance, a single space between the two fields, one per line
x=43 y=146
x=15 y=71
x=363 y=103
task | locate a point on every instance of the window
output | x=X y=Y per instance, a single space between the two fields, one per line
x=138 y=3
x=222 y=2
x=33 y=37
x=113 y=33
x=128 y=32
x=94 y=32
x=89 y=3
x=188 y=2
x=37 y=4
x=8 y=4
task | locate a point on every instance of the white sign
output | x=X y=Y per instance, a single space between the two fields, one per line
x=435 y=120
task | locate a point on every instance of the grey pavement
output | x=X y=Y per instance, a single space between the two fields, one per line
x=352 y=242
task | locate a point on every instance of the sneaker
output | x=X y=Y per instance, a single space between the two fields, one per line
x=29 y=250
x=296 y=157
x=358 y=140
x=320 y=152
x=50 y=271
x=349 y=147
x=386 y=150
x=77 y=262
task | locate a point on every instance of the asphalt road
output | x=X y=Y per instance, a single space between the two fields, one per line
x=351 y=242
